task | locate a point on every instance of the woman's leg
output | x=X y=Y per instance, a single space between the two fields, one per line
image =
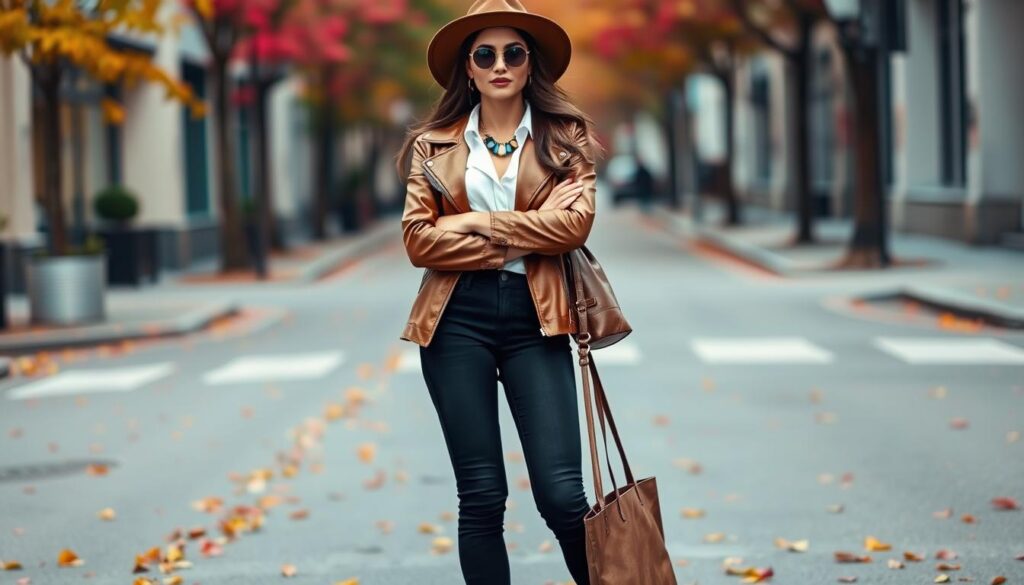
x=461 y=375
x=540 y=385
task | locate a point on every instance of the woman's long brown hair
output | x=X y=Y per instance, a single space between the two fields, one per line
x=550 y=112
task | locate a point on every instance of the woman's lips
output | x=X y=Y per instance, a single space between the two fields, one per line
x=501 y=82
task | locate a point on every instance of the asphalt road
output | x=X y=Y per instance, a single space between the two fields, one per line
x=769 y=405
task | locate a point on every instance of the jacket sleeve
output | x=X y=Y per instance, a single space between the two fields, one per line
x=431 y=247
x=551 y=231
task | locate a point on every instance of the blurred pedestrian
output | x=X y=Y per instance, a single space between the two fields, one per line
x=643 y=183
x=502 y=183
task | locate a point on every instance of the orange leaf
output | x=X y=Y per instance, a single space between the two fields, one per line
x=367 y=451
x=849 y=557
x=68 y=558
x=1005 y=503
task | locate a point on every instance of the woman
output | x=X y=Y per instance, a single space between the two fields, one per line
x=501 y=184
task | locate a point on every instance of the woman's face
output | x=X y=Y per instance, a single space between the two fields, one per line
x=499 y=40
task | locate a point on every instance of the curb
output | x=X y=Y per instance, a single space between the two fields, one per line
x=945 y=299
x=379 y=235
x=771 y=262
x=959 y=303
x=774 y=263
x=187 y=322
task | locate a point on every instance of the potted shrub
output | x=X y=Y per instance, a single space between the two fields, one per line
x=131 y=252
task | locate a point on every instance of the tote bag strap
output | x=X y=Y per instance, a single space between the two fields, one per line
x=602 y=402
x=578 y=287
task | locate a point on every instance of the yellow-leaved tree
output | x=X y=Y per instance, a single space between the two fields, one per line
x=56 y=36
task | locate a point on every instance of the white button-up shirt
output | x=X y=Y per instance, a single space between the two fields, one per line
x=485 y=190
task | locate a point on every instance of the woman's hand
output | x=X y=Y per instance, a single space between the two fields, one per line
x=563 y=194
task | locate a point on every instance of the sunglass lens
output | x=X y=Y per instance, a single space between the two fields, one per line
x=515 y=56
x=484 y=58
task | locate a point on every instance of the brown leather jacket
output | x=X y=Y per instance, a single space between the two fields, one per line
x=439 y=159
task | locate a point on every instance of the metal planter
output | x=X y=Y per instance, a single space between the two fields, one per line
x=66 y=290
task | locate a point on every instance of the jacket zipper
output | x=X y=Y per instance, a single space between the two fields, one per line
x=446 y=298
x=568 y=296
x=437 y=185
x=537 y=308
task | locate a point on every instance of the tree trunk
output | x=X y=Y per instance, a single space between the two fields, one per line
x=802 y=162
x=322 y=165
x=376 y=138
x=264 y=172
x=728 y=188
x=233 y=251
x=671 y=125
x=867 y=248
x=48 y=78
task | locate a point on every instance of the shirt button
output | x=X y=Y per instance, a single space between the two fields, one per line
x=504 y=276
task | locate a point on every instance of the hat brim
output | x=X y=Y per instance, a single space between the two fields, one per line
x=554 y=43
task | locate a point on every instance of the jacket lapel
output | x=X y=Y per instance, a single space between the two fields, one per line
x=449 y=167
x=530 y=176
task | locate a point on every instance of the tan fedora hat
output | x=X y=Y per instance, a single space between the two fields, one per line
x=442 y=53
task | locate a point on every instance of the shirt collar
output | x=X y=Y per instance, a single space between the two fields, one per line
x=524 y=129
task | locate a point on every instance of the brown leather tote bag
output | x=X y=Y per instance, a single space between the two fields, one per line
x=625 y=538
x=606 y=323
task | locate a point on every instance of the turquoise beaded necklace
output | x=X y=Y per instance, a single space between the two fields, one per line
x=500 y=148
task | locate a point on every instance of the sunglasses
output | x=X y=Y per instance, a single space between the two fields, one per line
x=514 y=56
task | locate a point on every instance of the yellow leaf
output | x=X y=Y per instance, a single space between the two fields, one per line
x=873 y=544
x=441 y=544
x=205 y=8
x=113 y=113
x=174 y=553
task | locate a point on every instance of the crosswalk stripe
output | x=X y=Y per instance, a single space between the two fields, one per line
x=945 y=350
x=84 y=381
x=760 y=350
x=275 y=367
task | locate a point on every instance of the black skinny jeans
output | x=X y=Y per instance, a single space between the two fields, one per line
x=490 y=327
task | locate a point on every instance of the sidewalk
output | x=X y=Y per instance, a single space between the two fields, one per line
x=977 y=282
x=177 y=305
x=304 y=262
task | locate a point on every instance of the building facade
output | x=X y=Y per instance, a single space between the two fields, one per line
x=952 y=131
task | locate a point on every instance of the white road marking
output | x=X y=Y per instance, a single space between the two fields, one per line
x=275 y=367
x=760 y=350
x=945 y=350
x=86 y=381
